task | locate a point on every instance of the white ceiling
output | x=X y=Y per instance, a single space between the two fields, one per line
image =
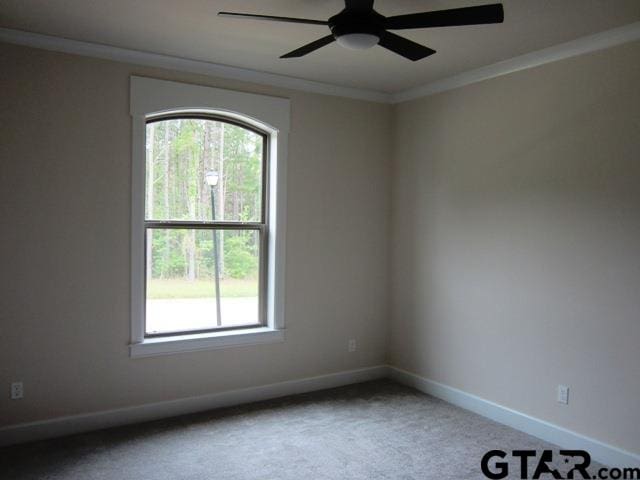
x=191 y=29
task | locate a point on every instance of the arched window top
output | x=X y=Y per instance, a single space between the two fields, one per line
x=183 y=147
x=230 y=118
x=151 y=98
x=226 y=116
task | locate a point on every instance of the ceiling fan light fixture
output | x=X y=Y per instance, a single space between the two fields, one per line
x=358 y=41
x=359 y=27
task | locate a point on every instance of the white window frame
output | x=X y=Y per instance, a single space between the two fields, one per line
x=151 y=97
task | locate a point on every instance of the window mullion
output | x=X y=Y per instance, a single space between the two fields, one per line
x=205 y=225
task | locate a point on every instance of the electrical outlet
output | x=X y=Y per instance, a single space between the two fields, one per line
x=17 y=391
x=563 y=394
x=352 y=346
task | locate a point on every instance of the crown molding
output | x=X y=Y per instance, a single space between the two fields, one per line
x=589 y=43
x=137 y=57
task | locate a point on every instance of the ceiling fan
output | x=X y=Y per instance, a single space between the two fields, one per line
x=359 y=27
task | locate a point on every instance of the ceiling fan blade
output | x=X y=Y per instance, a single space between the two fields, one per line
x=310 y=47
x=251 y=16
x=405 y=47
x=481 y=14
x=358 y=4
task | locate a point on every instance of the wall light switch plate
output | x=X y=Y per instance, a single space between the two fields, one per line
x=352 y=346
x=563 y=394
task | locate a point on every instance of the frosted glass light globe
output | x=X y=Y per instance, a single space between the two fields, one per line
x=358 y=41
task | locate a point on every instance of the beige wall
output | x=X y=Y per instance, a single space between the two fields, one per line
x=64 y=251
x=516 y=241
x=514 y=251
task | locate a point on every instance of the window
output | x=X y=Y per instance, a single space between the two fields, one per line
x=205 y=225
x=207 y=217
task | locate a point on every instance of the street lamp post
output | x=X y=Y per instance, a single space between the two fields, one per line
x=212 y=180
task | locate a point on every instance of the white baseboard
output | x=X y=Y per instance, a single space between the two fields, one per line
x=57 y=427
x=599 y=451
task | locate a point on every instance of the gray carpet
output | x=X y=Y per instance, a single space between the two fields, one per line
x=374 y=430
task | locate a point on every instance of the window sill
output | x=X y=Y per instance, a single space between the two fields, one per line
x=205 y=341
